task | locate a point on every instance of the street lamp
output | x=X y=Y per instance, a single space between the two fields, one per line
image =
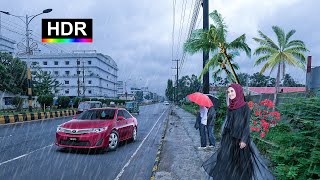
x=27 y=22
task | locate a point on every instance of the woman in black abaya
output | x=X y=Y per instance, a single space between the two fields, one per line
x=237 y=158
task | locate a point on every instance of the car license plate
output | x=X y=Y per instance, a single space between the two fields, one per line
x=73 y=139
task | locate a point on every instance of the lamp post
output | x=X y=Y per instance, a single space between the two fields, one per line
x=27 y=21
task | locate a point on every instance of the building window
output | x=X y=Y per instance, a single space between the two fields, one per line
x=34 y=63
x=67 y=62
x=56 y=63
x=78 y=62
x=78 y=72
x=56 y=73
x=89 y=82
x=67 y=73
x=89 y=91
x=89 y=62
x=107 y=85
x=66 y=82
x=66 y=91
x=45 y=63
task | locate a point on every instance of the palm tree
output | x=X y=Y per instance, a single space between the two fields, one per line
x=279 y=55
x=214 y=40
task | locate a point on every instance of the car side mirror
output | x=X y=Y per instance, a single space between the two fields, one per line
x=120 y=118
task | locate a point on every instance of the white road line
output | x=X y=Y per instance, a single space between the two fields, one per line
x=5 y=162
x=127 y=164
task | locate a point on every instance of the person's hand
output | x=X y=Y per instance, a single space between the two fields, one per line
x=242 y=145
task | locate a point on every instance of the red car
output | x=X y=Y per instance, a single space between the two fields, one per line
x=98 y=128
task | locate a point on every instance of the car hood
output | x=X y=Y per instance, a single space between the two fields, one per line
x=85 y=124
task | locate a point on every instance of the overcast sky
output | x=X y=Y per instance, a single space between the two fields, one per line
x=138 y=34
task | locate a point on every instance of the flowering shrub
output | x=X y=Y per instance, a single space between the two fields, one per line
x=262 y=117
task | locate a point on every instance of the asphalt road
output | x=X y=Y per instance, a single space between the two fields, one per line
x=27 y=152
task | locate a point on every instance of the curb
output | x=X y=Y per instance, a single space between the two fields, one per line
x=19 y=118
x=157 y=160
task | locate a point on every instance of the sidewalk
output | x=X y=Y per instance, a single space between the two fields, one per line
x=180 y=158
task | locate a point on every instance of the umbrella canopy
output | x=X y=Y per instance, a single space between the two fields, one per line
x=214 y=100
x=200 y=99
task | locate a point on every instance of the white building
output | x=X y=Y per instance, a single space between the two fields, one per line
x=6 y=45
x=96 y=73
x=120 y=88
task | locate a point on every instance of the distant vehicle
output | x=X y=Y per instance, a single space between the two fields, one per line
x=85 y=105
x=166 y=103
x=98 y=128
x=132 y=107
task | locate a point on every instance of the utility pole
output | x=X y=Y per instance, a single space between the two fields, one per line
x=78 y=74
x=205 y=79
x=83 y=83
x=177 y=80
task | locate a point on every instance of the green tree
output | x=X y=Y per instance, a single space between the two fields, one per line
x=63 y=101
x=243 y=78
x=170 y=90
x=13 y=74
x=139 y=96
x=258 y=80
x=45 y=100
x=43 y=82
x=288 y=81
x=278 y=55
x=214 y=40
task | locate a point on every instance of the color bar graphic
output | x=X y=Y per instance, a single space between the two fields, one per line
x=67 y=40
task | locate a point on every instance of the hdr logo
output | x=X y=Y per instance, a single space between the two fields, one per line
x=66 y=30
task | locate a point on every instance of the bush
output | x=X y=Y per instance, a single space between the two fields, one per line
x=63 y=101
x=45 y=100
x=297 y=151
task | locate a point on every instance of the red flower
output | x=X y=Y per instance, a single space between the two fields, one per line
x=255 y=122
x=256 y=113
x=262 y=134
x=252 y=128
x=250 y=104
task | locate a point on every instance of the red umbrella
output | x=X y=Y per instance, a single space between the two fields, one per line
x=200 y=99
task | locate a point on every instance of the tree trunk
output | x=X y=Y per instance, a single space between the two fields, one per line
x=224 y=52
x=277 y=87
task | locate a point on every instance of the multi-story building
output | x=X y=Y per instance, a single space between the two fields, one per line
x=83 y=74
x=6 y=45
x=120 y=88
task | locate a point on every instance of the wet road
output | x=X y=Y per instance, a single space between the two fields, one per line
x=27 y=152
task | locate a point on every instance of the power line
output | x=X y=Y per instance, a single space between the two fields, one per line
x=191 y=27
x=184 y=5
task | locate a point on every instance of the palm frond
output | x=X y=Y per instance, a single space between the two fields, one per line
x=262 y=59
x=280 y=36
x=218 y=19
x=265 y=50
x=210 y=63
x=291 y=60
x=289 y=34
x=295 y=43
x=268 y=41
x=240 y=44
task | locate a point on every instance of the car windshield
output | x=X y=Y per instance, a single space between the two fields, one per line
x=84 y=106
x=96 y=114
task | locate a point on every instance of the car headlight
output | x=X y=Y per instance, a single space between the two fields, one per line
x=60 y=129
x=97 y=130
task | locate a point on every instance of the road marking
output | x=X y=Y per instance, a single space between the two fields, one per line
x=127 y=164
x=5 y=162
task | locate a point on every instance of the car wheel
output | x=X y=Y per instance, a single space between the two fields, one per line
x=134 y=134
x=113 y=141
